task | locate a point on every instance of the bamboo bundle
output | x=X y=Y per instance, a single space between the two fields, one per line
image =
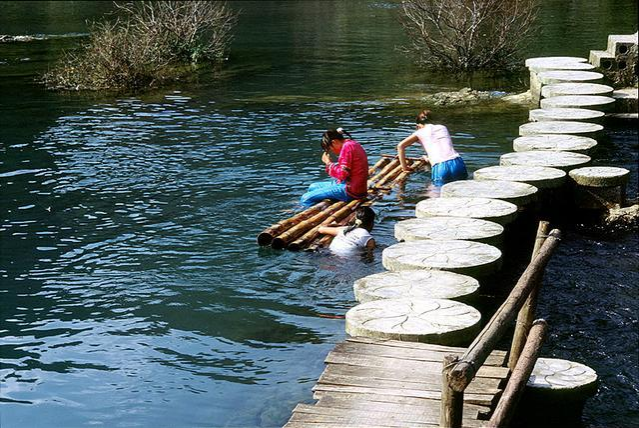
x=267 y=235
x=378 y=165
x=384 y=171
x=325 y=240
x=281 y=241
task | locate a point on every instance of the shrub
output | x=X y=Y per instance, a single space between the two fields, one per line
x=468 y=35
x=151 y=42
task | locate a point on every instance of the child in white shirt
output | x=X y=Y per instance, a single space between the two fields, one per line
x=354 y=237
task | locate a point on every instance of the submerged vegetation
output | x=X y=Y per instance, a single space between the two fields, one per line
x=149 y=43
x=468 y=35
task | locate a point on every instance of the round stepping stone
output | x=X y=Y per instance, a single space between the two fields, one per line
x=562 y=160
x=494 y=210
x=436 y=321
x=421 y=284
x=562 y=76
x=562 y=377
x=561 y=114
x=519 y=194
x=539 y=176
x=571 y=88
x=592 y=102
x=552 y=61
x=447 y=228
x=600 y=176
x=466 y=257
x=560 y=127
x=554 y=142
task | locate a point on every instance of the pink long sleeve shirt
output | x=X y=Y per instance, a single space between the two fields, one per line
x=351 y=168
x=437 y=143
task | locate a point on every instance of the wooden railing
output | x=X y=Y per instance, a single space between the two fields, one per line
x=458 y=372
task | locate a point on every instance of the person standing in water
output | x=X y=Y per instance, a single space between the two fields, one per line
x=354 y=237
x=349 y=174
x=446 y=164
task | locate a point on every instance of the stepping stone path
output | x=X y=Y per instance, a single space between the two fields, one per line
x=600 y=176
x=495 y=210
x=554 y=142
x=538 y=65
x=560 y=127
x=436 y=321
x=552 y=62
x=466 y=257
x=593 y=102
x=562 y=160
x=519 y=194
x=447 y=228
x=562 y=76
x=563 y=378
x=569 y=114
x=421 y=284
x=539 y=176
x=570 y=88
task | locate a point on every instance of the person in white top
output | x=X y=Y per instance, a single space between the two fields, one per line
x=446 y=164
x=354 y=237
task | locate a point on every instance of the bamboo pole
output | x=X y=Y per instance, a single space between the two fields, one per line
x=325 y=240
x=282 y=240
x=379 y=164
x=485 y=342
x=394 y=173
x=452 y=405
x=310 y=235
x=521 y=373
x=389 y=167
x=267 y=235
x=527 y=312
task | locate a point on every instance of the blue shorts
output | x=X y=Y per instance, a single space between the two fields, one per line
x=447 y=171
x=324 y=190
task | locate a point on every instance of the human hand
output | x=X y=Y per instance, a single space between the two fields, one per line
x=407 y=168
x=326 y=158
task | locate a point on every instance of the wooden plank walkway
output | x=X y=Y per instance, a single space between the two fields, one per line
x=371 y=383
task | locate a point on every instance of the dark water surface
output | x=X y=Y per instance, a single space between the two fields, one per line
x=132 y=291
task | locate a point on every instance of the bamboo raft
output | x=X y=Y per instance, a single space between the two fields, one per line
x=301 y=231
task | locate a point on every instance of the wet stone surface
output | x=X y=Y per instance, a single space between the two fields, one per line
x=495 y=210
x=560 y=159
x=554 y=142
x=517 y=193
x=539 y=176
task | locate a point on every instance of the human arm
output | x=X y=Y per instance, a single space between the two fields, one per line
x=329 y=230
x=401 y=151
x=341 y=170
x=370 y=244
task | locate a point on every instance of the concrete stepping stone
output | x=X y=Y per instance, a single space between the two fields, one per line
x=561 y=127
x=494 y=210
x=539 y=176
x=600 y=176
x=435 y=321
x=520 y=194
x=599 y=187
x=466 y=257
x=561 y=76
x=447 y=228
x=565 y=114
x=562 y=160
x=419 y=284
x=554 y=142
x=592 y=102
x=549 y=61
x=538 y=65
x=563 y=378
x=571 y=88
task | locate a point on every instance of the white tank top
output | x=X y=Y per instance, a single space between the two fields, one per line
x=437 y=143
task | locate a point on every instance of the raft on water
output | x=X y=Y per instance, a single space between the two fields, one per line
x=301 y=231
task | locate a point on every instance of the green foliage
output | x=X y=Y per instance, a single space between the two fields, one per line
x=468 y=35
x=151 y=42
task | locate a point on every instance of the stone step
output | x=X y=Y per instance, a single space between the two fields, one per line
x=561 y=76
x=520 y=194
x=570 y=88
x=562 y=160
x=552 y=60
x=566 y=114
x=621 y=44
x=447 y=228
x=494 y=210
x=416 y=284
x=465 y=257
x=554 y=142
x=602 y=59
x=600 y=176
x=563 y=378
x=539 y=176
x=592 y=102
x=584 y=129
x=626 y=100
x=435 y=321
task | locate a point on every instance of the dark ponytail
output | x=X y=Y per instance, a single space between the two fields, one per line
x=423 y=117
x=333 y=134
x=364 y=218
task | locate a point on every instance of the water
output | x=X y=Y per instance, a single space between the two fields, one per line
x=132 y=291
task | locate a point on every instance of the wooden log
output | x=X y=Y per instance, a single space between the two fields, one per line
x=267 y=235
x=388 y=168
x=452 y=407
x=521 y=373
x=382 y=162
x=484 y=343
x=282 y=240
x=334 y=216
x=390 y=176
x=527 y=312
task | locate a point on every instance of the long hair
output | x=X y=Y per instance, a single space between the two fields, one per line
x=423 y=117
x=364 y=218
x=333 y=134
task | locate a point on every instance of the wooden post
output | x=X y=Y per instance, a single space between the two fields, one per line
x=521 y=373
x=527 y=312
x=452 y=407
x=485 y=342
